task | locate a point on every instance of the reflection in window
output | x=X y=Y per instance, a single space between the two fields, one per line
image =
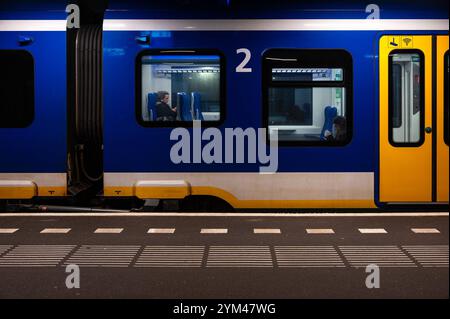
x=306 y=114
x=180 y=87
x=16 y=89
x=405 y=97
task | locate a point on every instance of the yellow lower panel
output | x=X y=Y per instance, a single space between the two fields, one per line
x=147 y=192
x=28 y=192
x=161 y=192
x=170 y=193
x=304 y=204
x=442 y=173
x=237 y=203
x=17 y=192
x=119 y=191
x=52 y=191
x=405 y=177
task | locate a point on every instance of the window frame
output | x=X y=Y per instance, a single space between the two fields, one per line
x=32 y=103
x=180 y=52
x=309 y=58
x=422 y=98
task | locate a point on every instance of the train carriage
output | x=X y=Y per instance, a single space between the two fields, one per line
x=290 y=70
x=33 y=130
x=206 y=103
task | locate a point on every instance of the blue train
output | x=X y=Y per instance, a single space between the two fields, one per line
x=237 y=104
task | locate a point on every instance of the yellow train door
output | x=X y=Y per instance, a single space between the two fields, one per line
x=413 y=151
x=442 y=117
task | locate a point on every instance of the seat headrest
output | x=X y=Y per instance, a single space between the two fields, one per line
x=330 y=111
x=184 y=105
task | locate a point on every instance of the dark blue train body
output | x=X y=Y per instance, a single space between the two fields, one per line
x=33 y=159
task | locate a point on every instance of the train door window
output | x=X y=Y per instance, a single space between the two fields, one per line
x=406 y=126
x=179 y=86
x=446 y=104
x=308 y=96
x=16 y=89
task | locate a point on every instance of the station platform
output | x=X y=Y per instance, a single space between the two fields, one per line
x=220 y=255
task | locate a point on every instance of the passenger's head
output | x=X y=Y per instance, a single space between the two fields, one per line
x=339 y=128
x=163 y=96
x=340 y=122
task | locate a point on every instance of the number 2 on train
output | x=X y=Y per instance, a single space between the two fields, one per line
x=248 y=55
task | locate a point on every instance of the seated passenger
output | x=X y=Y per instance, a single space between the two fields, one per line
x=339 y=133
x=163 y=110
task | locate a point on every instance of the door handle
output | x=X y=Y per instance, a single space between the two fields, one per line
x=428 y=130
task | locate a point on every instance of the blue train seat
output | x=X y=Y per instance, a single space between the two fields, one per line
x=196 y=106
x=330 y=114
x=152 y=98
x=184 y=106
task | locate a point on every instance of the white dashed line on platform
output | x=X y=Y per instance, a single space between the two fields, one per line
x=104 y=256
x=429 y=255
x=8 y=230
x=161 y=231
x=425 y=231
x=5 y=248
x=214 y=231
x=55 y=230
x=307 y=256
x=320 y=231
x=309 y=231
x=171 y=256
x=108 y=230
x=239 y=256
x=267 y=231
x=224 y=256
x=372 y=230
x=35 y=255
x=382 y=256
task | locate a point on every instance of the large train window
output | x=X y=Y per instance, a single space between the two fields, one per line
x=307 y=96
x=16 y=89
x=446 y=104
x=175 y=87
x=406 y=123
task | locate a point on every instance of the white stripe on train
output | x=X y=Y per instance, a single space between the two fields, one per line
x=240 y=25
x=256 y=186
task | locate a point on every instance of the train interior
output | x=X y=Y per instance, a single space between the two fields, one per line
x=406 y=97
x=298 y=111
x=192 y=82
